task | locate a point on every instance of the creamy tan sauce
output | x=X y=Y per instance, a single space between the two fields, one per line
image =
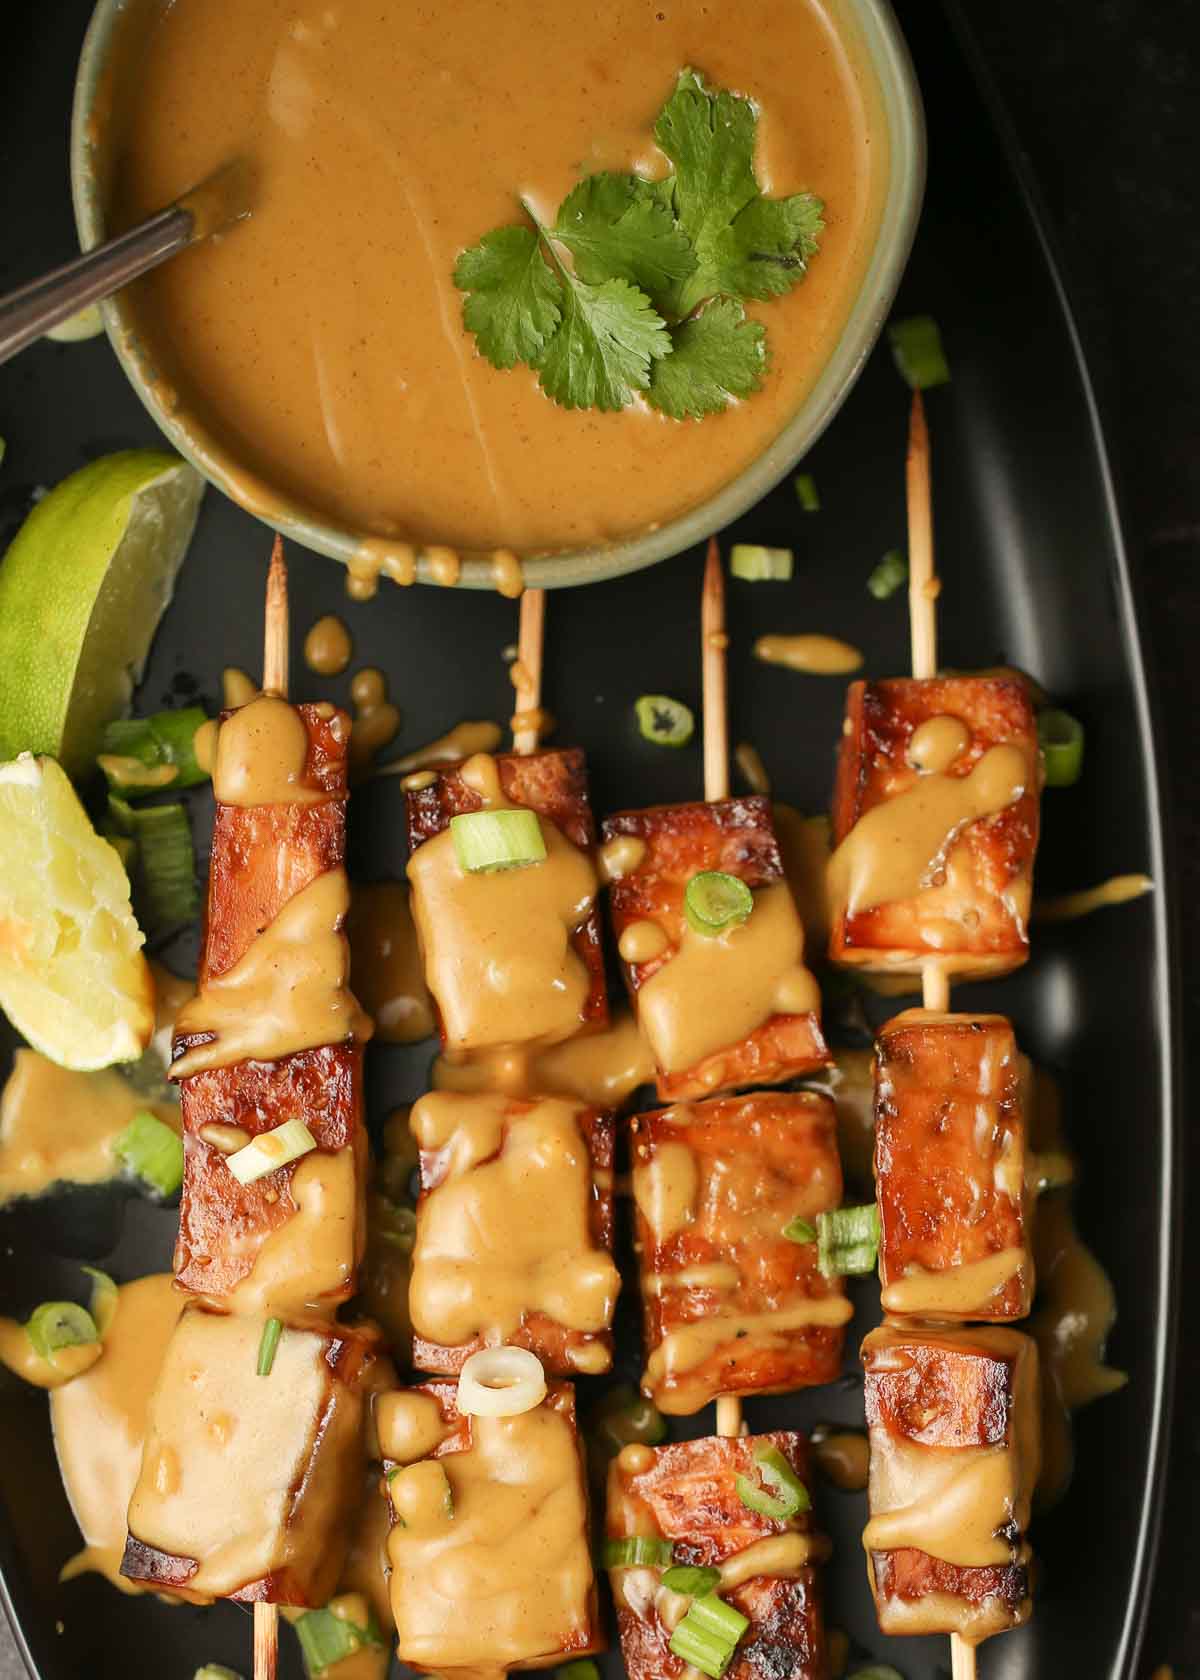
x=262 y=751
x=754 y=772
x=507 y=575
x=955 y=1290
x=496 y=943
x=309 y=1260
x=288 y=992
x=689 y=1345
x=505 y=1234
x=376 y=720
x=818 y=656
x=642 y=941
x=409 y=1426
x=665 y=1189
x=215 y=1424
x=620 y=857
x=59 y=1126
x=843 y=1456
x=99 y=1424
x=285 y=339
x=756 y=969
x=507 y=1579
x=204 y=744
x=1118 y=889
x=52 y=1371
x=237 y=688
x=899 y=846
x=603 y=1068
x=935 y=744
x=386 y=963
x=457 y=744
x=327 y=646
x=778 y=1556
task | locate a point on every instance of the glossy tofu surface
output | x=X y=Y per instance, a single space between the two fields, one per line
x=730 y=1305
x=950 y=1168
x=966 y=898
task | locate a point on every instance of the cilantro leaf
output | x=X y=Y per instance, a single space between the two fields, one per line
x=745 y=244
x=601 y=354
x=718 y=355
x=514 y=301
x=621 y=227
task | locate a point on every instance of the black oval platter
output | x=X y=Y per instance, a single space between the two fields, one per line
x=1031 y=555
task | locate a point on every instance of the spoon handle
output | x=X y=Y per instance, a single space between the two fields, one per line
x=33 y=309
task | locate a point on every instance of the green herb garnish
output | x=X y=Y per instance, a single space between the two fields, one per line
x=651 y=302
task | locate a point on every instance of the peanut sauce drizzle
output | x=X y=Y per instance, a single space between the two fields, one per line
x=818 y=656
x=327 y=646
x=376 y=720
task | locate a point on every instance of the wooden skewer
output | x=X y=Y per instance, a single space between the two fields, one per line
x=713 y=645
x=530 y=641
x=275 y=681
x=923 y=590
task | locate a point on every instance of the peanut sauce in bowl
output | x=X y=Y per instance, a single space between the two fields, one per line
x=313 y=360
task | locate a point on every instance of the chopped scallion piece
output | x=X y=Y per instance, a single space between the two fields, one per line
x=890 y=574
x=1061 y=739
x=691 y=1579
x=270 y=1150
x=216 y=1671
x=848 y=1241
x=637 y=1551
x=392 y=1223
x=164 y=879
x=326 y=1639
x=779 y=1493
x=800 y=1231
x=103 y=1304
x=721 y=1620
x=625 y=1417
x=713 y=901
x=755 y=564
x=150 y=1148
x=806 y=493
x=272 y=1331
x=917 y=349
x=708 y=1634
x=60 y=1324
x=486 y=840
x=140 y=754
x=666 y=722
x=584 y=1669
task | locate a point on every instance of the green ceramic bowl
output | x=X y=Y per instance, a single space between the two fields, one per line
x=886 y=58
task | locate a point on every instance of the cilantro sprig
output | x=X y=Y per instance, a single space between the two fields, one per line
x=637 y=289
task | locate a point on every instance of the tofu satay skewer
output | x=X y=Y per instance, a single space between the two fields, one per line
x=713 y=664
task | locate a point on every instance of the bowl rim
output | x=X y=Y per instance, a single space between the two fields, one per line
x=903 y=112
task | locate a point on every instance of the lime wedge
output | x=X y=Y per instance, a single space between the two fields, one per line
x=73 y=980
x=82 y=589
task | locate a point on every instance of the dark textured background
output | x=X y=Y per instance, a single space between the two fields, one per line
x=1104 y=96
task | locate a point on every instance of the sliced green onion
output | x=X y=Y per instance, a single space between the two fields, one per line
x=806 y=492
x=755 y=564
x=104 y=1300
x=486 y=840
x=848 y=1241
x=666 y=722
x=917 y=349
x=216 y=1671
x=272 y=1331
x=626 y=1416
x=708 y=1634
x=392 y=1224
x=691 y=1579
x=271 y=1150
x=326 y=1639
x=637 y=1551
x=800 y=1231
x=779 y=1493
x=164 y=880
x=149 y=1148
x=890 y=574
x=1061 y=739
x=158 y=751
x=60 y=1324
x=713 y=901
x=584 y=1669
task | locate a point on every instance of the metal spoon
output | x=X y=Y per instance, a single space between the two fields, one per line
x=29 y=312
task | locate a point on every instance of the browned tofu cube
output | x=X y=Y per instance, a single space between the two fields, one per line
x=490 y=1553
x=950 y=1168
x=686 y=1495
x=737 y=1008
x=955 y=1453
x=249 y=1483
x=935 y=825
x=514 y=1231
x=512 y=956
x=731 y=1305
